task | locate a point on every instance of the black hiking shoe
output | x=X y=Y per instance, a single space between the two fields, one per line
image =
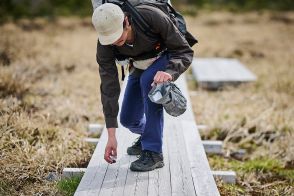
x=136 y=148
x=148 y=161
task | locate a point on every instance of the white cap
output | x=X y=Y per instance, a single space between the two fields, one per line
x=108 y=22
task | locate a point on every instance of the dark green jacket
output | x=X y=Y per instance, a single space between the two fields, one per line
x=179 y=50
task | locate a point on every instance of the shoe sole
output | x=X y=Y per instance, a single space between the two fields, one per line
x=159 y=164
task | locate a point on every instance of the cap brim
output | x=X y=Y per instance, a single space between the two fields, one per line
x=110 y=39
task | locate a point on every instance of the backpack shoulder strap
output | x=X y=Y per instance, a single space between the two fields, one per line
x=138 y=19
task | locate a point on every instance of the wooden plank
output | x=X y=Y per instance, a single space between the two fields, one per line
x=92 y=180
x=202 y=176
x=160 y=179
x=213 y=73
x=91 y=140
x=164 y=175
x=220 y=69
x=202 y=127
x=175 y=164
x=181 y=178
x=136 y=182
x=95 y=128
x=188 y=180
x=130 y=186
x=111 y=177
x=153 y=185
x=124 y=165
x=226 y=176
x=213 y=146
x=71 y=172
x=141 y=186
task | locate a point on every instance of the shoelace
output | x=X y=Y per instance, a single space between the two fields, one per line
x=145 y=156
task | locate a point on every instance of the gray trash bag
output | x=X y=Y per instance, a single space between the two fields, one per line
x=170 y=96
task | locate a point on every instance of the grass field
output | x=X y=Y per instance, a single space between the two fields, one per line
x=49 y=92
x=257 y=117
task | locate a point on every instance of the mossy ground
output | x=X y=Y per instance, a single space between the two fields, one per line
x=68 y=186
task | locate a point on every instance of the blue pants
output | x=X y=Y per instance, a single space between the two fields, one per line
x=138 y=113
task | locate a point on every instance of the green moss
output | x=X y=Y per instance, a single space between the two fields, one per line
x=191 y=81
x=287 y=174
x=216 y=133
x=267 y=170
x=4 y=188
x=68 y=186
x=250 y=146
x=189 y=10
x=226 y=116
x=231 y=189
x=95 y=135
x=263 y=165
x=220 y=163
x=286 y=129
x=259 y=165
x=242 y=5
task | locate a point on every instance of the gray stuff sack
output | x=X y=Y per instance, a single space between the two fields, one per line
x=170 y=96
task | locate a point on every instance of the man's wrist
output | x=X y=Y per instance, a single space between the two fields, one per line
x=111 y=132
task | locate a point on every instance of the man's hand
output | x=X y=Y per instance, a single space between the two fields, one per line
x=161 y=77
x=111 y=147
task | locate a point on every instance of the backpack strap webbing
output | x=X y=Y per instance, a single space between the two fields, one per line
x=138 y=19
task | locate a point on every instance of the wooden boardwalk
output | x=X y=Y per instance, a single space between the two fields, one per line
x=186 y=170
x=213 y=73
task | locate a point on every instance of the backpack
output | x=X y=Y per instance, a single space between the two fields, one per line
x=129 y=6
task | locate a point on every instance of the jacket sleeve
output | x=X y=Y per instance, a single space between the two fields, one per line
x=109 y=87
x=181 y=54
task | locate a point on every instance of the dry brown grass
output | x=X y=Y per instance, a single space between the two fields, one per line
x=31 y=148
x=49 y=92
x=259 y=116
x=264 y=44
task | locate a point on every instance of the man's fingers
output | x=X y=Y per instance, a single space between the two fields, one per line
x=110 y=155
x=113 y=156
x=166 y=78
x=162 y=77
x=107 y=158
x=107 y=155
x=156 y=77
x=114 y=152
